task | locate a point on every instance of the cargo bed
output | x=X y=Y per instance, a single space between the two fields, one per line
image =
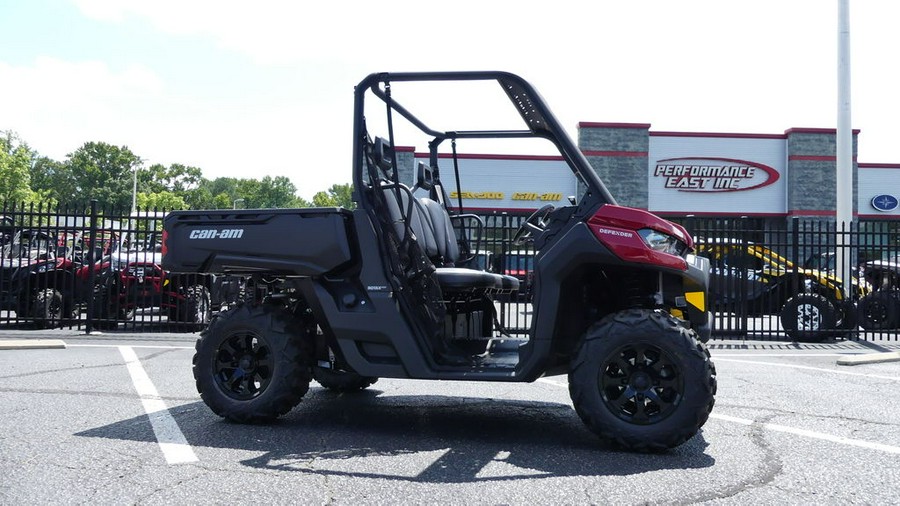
x=287 y=242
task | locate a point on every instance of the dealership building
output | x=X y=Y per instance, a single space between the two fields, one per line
x=772 y=176
x=769 y=178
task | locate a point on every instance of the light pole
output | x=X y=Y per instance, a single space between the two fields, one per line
x=134 y=192
x=236 y=203
x=844 y=151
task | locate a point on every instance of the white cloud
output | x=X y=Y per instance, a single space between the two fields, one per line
x=59 y=105
x=703 y=65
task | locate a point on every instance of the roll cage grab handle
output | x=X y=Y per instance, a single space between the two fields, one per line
x=534 y=112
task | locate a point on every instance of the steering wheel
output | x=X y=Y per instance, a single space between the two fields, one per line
x=535 y=224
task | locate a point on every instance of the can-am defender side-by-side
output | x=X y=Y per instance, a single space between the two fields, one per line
x=619 y=300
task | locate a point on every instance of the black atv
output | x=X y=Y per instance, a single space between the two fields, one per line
x=752 y=280
x=619 y=298
x=880 y=310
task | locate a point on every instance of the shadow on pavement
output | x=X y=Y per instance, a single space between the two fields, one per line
x=431 y=439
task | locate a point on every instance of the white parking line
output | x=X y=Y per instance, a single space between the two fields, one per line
x=811 y=434
x=172 y=442
x=808 y=368
x=784 y=428
x=151 y=347
x=716 y=354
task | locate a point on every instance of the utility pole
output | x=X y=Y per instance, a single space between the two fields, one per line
x=844 y=155
x=134 y=191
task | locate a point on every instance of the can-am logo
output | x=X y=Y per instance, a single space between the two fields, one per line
x=210 y=233
x=713 y=174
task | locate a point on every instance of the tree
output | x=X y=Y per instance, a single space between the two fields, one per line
x=52 y=178
x=104 y=172
x=277 y=192
x=176 y=178
x=339 y=195
x=160 y=201
x=15 y=173
x=265 y=193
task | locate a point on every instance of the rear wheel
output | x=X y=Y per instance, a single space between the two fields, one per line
x=879 y=311
x=252 y=363
x=642 y=381
x=807 y=317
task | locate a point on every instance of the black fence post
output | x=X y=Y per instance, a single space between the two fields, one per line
x=743 y=271
x=795 y=240
x=89 y=289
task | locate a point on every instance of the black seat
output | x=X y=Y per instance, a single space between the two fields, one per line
x=458 y=279
x=432 y=230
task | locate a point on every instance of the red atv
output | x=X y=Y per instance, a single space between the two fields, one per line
x=133 y=279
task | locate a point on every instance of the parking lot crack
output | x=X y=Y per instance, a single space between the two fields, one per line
x=770 y=467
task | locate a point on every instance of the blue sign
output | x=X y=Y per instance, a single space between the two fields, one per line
x=884 y=203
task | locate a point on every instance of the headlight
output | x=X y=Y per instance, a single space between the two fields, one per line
x=659 y=241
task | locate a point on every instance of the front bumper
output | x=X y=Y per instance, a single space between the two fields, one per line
x=689 y=296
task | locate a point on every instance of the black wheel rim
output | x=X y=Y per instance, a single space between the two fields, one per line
x=641 y=384
x=876 y=312
x=243 y=366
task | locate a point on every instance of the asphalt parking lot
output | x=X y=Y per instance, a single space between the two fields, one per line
x=115 y=419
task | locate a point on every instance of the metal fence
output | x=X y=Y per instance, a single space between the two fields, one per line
x=801 y=278
x=100 y=269
x=770 y=279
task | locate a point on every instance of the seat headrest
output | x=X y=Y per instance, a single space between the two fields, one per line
x=424 y=177
x=383 y=155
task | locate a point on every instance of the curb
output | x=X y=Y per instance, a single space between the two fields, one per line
x=870 y=358
x=31 y=344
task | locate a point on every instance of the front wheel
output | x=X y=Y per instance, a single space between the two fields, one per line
x=879 y=310
x=642 y=381
x=253 y=363
x=195 y=308
x=109 y=309
x=47 y=308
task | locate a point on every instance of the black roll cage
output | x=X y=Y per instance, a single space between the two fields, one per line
x=538 y=119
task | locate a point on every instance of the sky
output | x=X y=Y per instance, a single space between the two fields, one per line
x=265 y=88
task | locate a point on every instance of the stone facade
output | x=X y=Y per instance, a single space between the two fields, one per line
x=618 y=154
x=811 y=171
